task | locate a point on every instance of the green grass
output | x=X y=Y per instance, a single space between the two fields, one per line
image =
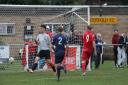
x=106 y=75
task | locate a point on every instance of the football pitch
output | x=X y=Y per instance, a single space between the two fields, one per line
x=106 y=75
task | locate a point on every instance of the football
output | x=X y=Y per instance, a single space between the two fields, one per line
x=11 y=60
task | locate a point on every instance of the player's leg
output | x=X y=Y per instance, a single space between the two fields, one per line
x=48 y=60
x=51 y=65
x=58 y=69
x=59 y=66
x=34 y=65
x=65 y=70
x=84 y=58
x=63 y=65
x=38 y=56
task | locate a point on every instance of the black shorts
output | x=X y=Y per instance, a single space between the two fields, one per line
x=44 y=54
x=59 y=56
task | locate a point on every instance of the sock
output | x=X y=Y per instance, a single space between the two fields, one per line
x=58 y=72
x=64 y=68
x=34 y=66
x=83 y=67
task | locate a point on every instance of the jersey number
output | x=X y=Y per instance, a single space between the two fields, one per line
x=60 y=40
x=87 y=38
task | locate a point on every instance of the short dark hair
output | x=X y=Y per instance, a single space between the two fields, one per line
x=60 y=29
x=89 y=27
x=43 y=26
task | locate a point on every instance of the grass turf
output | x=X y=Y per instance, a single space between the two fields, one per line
x=106 y=75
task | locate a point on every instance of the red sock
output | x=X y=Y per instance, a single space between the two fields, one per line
x=83 y=67
x=53 y=67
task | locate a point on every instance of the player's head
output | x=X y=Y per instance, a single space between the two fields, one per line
x=115 y=31
x=123 y=34
x=89 y=27
x=47 y=28
x=42 y=28
x=98 y=35
x=60 y=29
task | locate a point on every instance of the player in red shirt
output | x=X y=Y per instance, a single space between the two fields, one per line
x=88 y=46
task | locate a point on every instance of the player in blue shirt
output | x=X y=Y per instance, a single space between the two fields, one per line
x=60 y=46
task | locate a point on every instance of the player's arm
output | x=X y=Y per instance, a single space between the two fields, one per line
x=37 y=40
x=51 y=47
x=49 y=42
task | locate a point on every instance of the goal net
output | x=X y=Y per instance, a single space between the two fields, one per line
x=74 y=21
x=19 y=26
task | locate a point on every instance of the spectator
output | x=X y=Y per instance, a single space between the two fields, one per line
x=115 y=40
x=73 y=39
x=121 y=51
x=126 y=47
x=99 y=48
